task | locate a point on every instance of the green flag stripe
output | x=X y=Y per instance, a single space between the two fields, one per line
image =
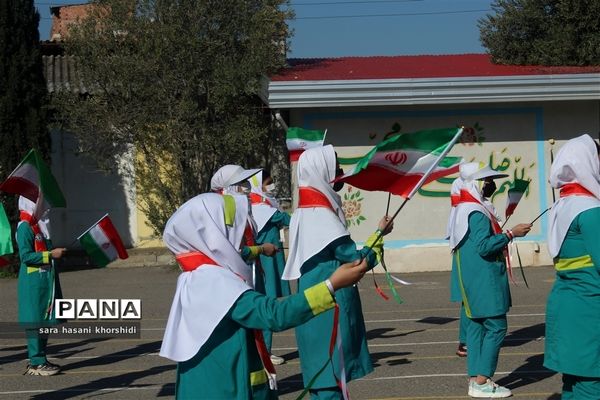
x=52 y=193
x=432 y=141
x=448 y=162
x=519 y=185
x=305 y=134
x=6 y=246
x=349 y=160
x=94 y=251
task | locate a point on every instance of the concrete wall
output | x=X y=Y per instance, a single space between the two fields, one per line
x=90 y=194
x=512 y=137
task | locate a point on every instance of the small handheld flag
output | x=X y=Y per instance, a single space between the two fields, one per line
x=103 y=243
x=298 y=140
x=33 y=179
x=6 y=246
x=515 y=193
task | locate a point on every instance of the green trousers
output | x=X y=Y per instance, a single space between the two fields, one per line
x=333 y=393
x=36 y=347
x=580 y=388
x=462 y=327
x=484 y=339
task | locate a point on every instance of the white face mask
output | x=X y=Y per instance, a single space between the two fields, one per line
x=270 y=188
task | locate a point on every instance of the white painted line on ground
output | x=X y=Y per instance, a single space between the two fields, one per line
x=88 y=389
x=433 y=317
x=529 y=339
x=387 y=378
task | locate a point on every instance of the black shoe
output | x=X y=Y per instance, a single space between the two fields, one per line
x=462 y=350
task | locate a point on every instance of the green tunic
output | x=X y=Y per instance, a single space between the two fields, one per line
x=228 y=365
x=250 y=254
x=573 y=311
x=38 y=283
x=273 y=266
x=313 y=336
x=481 y=269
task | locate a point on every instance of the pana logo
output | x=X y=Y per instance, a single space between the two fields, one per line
x=105 y=245
x=98 y=308
x=396 y=158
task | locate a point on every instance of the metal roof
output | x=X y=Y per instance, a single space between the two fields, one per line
x=406 y=80
x=61 y=74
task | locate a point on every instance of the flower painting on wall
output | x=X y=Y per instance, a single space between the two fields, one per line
x=351 y=204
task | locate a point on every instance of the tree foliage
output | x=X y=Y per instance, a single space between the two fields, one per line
x=543 y=32
x=176 y=82
x=23 y=96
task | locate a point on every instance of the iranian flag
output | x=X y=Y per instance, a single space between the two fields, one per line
x=398 y=164
x=32 y=179
x=298 y=140
x=103 y=243
x=6 y=246
x=515 y=193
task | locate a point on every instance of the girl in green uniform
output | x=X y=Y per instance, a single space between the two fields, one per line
x=213 y=330
x=269 y=221
x=455 y=294
x=572 y=344
x=478 y=245
x=38 y=285
x=319 y=243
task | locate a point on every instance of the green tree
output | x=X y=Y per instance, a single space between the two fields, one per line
x=543 y=32
x=175 y=83
x=23 y=95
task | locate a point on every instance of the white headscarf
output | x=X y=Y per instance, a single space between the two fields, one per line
x=470 y=173
x=455 y=189
x=312 y=229
x=204 y=295
x=261 y=212
x=229 y=175
x=31 y=208
x=576 y=162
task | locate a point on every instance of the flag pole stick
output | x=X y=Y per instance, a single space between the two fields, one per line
x=387 y=208
x=324 y=135
x=505 y=221
x=551 y=141
x=539 y=216
x=88 y=229
x=417 y=186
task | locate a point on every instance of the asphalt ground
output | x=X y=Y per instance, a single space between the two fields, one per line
x=412 y=344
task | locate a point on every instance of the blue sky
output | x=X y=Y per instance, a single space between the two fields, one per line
x=335 y=28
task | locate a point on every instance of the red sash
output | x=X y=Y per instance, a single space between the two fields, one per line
x=310 y=197
x=466 y=197
x=454 y=200
x=256 y=198
x=191 y=261
x=39 y=242
x=574 y=189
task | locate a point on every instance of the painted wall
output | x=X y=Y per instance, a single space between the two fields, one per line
x=511 y=137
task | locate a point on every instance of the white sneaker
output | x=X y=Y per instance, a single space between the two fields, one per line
x=276 y=360
x=46 y=369
x=488 y=390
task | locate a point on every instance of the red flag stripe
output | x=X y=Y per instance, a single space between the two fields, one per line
x=109 y=230
x=373 y=178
